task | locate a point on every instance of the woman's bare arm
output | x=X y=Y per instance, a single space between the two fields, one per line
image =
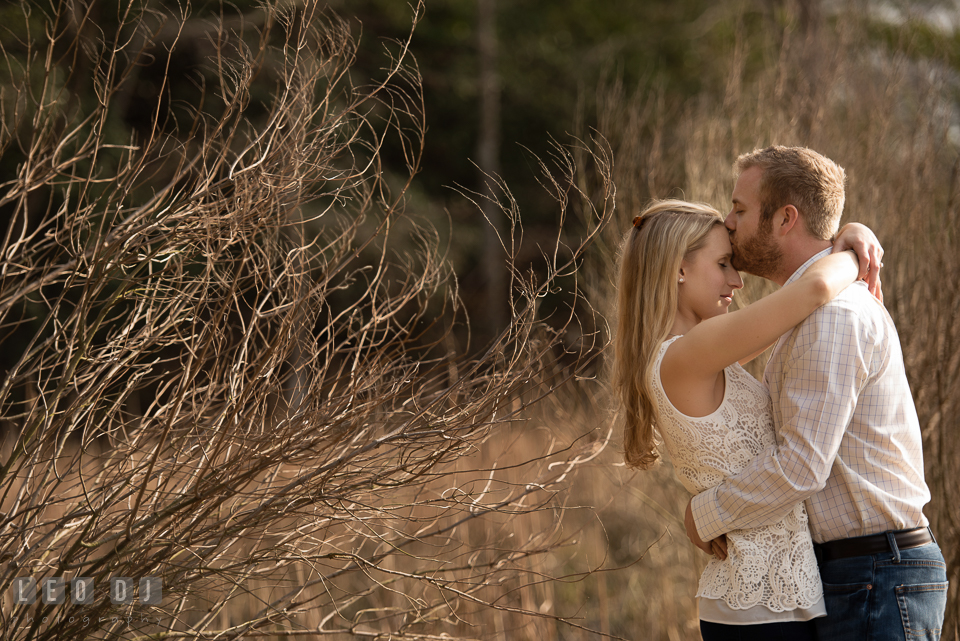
x=713 y=344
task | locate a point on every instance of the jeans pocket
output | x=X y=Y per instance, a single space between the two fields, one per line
x=921 y=609
x=847 y=611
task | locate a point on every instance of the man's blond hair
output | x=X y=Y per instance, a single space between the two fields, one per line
x=801 y=177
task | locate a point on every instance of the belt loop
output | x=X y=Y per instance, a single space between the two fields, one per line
x=892 y=539
x=930 y=530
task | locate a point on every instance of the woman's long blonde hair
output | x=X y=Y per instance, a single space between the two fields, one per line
x=647 y=291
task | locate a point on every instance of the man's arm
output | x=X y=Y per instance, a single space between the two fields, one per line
x=822 y=376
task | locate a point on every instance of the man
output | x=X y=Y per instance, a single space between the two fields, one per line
x=848 y=438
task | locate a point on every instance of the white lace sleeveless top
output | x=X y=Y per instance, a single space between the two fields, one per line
x=773 y=565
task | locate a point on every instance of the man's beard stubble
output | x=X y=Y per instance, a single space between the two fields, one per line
x=758 y=254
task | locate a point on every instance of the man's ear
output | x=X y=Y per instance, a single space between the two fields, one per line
x=785 y=220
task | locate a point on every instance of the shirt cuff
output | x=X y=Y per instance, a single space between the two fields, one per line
x=706 y=515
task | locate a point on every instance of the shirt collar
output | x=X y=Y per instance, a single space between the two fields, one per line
x=797 y=274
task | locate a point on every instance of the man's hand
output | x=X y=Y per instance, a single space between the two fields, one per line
x=869 y=252
x=717 y=546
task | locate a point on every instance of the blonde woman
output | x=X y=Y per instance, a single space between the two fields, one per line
x=678 y=377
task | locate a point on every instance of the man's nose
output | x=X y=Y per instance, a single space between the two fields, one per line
x=730 y=222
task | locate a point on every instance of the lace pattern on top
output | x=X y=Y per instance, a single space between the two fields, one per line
x=773 y=565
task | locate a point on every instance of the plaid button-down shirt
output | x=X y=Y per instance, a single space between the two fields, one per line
x=848 y=438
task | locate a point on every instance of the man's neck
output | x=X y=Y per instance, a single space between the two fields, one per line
x=796 y=255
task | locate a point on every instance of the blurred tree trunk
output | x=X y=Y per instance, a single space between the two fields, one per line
x=488 y=159
x=808 y=14
x=813 y=60
x=801 y=38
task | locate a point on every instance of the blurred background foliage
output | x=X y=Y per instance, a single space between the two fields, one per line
x=557 y=62
x=552 y=59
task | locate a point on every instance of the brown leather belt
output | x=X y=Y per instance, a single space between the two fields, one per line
x=873 y=544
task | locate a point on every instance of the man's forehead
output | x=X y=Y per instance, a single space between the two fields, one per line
x=748 y=184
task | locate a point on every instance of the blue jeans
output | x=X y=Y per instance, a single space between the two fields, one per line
x=895 y=595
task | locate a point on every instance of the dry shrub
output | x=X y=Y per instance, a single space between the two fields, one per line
x=232 y=358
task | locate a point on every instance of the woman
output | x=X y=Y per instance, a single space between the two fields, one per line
x=678 y=376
